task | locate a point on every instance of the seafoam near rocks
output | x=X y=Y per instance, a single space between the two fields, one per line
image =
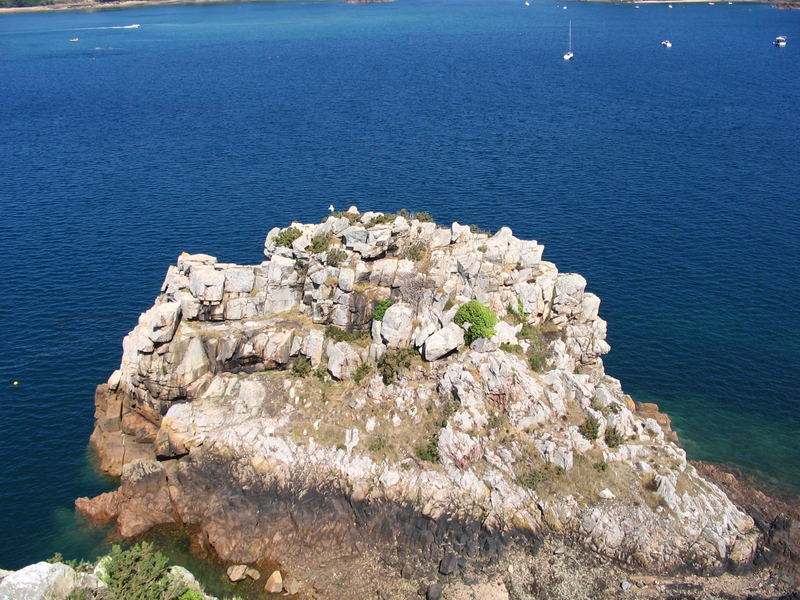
x=457 y=449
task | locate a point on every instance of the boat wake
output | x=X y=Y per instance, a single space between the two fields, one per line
x=134 y=26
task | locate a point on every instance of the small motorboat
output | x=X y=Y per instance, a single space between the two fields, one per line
x=666 y=44
x=74 y=40
x=780 y=41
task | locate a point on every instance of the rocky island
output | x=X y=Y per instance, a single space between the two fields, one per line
x=405 y=402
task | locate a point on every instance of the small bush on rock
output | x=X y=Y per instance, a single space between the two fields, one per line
x=335 y=257
x=481 y=318
x=286 y=237
x=429 y=451
x=192 y=595
x=140 y=573
x=301 y=367
x=613 y=437
x=416 y=252
x=393 y=362
x=352 y=217
x=590 y=428
x=380 y=309
x=340 y=335
x=320 y=243
x=361 y=371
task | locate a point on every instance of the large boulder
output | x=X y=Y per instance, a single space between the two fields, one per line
x=443 y=342
x=342 y=360
x=40 y=581
x=397 y=325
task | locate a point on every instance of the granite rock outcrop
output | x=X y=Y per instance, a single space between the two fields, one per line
x=394 y=431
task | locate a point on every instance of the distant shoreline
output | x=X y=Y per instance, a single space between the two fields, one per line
x=93 y=5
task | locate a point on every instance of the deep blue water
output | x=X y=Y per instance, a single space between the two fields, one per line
x=668 y=177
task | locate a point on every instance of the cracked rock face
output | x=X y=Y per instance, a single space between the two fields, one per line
x=263 y=405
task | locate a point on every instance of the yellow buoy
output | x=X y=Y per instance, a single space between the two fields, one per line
x=16 y=383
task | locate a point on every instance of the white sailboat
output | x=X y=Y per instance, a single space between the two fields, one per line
x=569 y=54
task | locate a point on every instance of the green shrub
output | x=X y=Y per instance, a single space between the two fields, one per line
x=301 y=268
x=381 y=219
x=340 y=335
x=449 y=304
x=481 y=318
x=81 y=566
x=335 y=257
x=613 y=437
x=301 y=366
x=512 y=348
x=590 y=428
x=140 y=573
x=430 y=450
x=287 y=237
x=80 y=594
x=320 y=243
x=416 y=252
x=483 y=248
x=352 y=217
x=531 y=479
x=517 y=312
x=423 y=217
x=601 y=466
x=393 y=362
x=192 y=595
x=377 y=444
x=361 y=371
x=537 y=360
x=380 y=309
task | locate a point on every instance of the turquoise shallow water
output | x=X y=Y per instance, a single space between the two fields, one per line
x=668 y=178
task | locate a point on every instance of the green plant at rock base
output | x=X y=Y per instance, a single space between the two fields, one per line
x=286 y=237
x=393 y=362
x=380 y=309
x=601 y=466
x=481 y=318
x=335 y=257
x=478 y=230
x=430 y=450
x=81 y=566
x=192 y=595
x=483 y=248
x=301 y=268
x=301 y=366
x=320 y=243
x=361 y=371
x=449 y=304
x=423 y=217
x=140 y=573
x=517 y=313
x=352 y=217
x=590 y=428
x=613 y=437
x=340 y=335
x=512 y=348
x=531 y=479
x=377 y=444
x=80 y=594
x=416 y=252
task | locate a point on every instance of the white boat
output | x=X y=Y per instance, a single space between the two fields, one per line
x=527 y=4
x=780 y=41
x=569 y=54
x=666 y=44
x=134 y=26
x=669 y=6
x=74 y=40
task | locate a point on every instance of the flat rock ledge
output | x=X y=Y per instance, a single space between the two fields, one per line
x=272 y=408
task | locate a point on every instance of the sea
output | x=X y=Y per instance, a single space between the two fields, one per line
x=668 y=177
